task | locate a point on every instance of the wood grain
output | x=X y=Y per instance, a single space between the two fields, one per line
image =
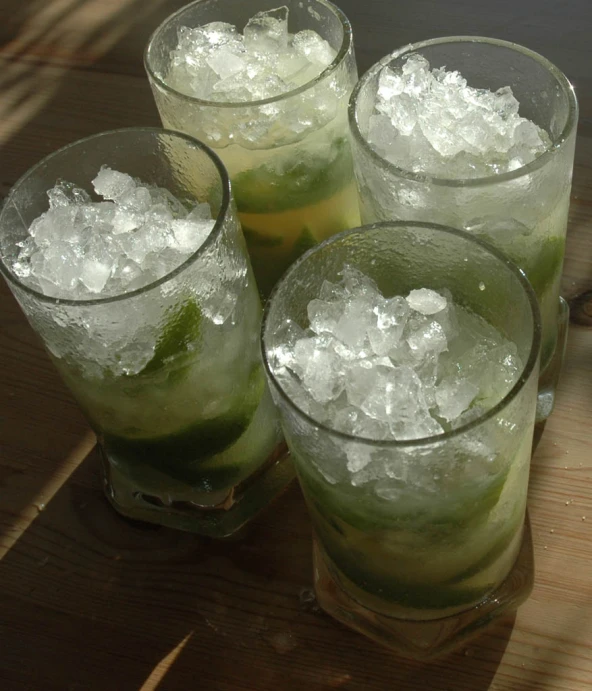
x=91 y=601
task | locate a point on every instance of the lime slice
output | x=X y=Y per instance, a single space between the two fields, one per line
x=543 y=268
x=413 y=595
x=298 y=183
x=305 y=241
x=497 y=548
x=257 y=239
x=181 y=455
x=369 y=513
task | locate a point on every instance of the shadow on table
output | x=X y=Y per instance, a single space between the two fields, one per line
x=335 y=658
x=92 y=599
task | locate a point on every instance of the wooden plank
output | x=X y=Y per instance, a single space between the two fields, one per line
x=89 y=600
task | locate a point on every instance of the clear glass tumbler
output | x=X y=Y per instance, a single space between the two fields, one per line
x=522 y=212
x=169 y=375
x=289 y=156
x=425 y=554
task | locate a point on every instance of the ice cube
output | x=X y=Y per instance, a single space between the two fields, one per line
x=94 y=274
x=506 y=103
x=314 y=48
x=125 y=221
x=324 y=316
x=360 y=381
x=128 y=270
x=370 y=428
x=383 y=394
x=286 y=337
x=57 y=265
x=358 y=456
x=317 y=364
x=397 y=398
x=267 y=32
x=58 y=223
x=112 y=184
x=428 y=338
x=293 y=68
x=390 y=85
x=380 y=134
x=250 y=87
x=331 y=292
x=369 y=474
x=353 y=324
x=65 y=194
x=301 y=398
x=454 y=397
x=136 y=199
x=357 y=284
x=426 y=301
x=226 y=63
x=386 y=490
x=190 y=235
x=195 y=42
x=200 y=212
x=385 y=339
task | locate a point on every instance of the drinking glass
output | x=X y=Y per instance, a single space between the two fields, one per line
x=522 y=212
x=425 y=553
x=169 y=375
x=288 y=156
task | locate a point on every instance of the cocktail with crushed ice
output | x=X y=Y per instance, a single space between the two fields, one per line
x=267 y=87
x=137 y=279
x=403 y=358
x=478 y=134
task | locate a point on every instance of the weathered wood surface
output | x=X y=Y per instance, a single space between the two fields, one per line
x=90 y=601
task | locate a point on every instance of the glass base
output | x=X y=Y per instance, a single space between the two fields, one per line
x=549 y=378
x=232 y=510
x=424 y=639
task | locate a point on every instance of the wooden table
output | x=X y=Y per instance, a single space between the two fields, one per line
x=91 y=601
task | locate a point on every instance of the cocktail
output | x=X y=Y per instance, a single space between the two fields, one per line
x=403 y=358
x=478 y=134
x=126 y=255
x=266 y=87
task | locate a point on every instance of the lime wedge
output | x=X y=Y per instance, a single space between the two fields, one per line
x=180 y=331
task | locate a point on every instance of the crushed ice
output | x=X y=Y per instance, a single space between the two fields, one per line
x=215 y=62
x=431 y=121
x=391 y=368
x=83 y=249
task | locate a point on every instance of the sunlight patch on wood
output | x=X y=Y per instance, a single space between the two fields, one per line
x=39 y=503
x=67 y=34
x=159 y=672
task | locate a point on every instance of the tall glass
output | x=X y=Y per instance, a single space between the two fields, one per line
x=428 y=555
x=190 y=438
x=288 y=156
x=522 y=212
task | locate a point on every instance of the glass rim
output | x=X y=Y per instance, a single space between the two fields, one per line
x=346 y=45
x=191 y=259
x=527 y=367
x=557 y=143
